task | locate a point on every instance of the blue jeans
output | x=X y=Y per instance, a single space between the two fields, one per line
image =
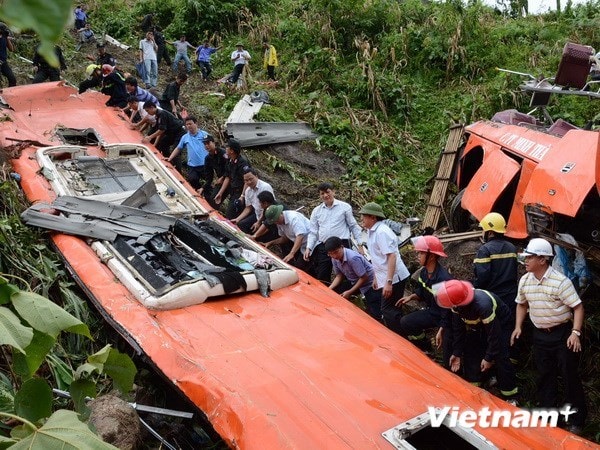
x=151 y=72
x=179 y=57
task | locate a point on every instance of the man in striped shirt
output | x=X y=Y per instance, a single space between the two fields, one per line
x=556 y=312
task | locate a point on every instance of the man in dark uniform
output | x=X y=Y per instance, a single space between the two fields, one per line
x=215 y=164
x=6 y=44
x=496 y=263
x=233 y=182
x=481 y=327
x=413 y=325
x=167 y=131
x=170 y=98
x=45 y=71
x=161 y=43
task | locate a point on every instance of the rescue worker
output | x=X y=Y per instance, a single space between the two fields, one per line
x=429 y=250
x=557 y=315
x=94 y=78
x=495 y=264
x=481 y=328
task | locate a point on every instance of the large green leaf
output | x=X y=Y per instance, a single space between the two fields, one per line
x=12 y=331
x=6 y=290
x=46 y=18
x=28 y=363
x=80 y=389
x=6 y=442
x=63 y=430
x=121 y=369
x=46 y=316
x=34 y=400
x=95 y=363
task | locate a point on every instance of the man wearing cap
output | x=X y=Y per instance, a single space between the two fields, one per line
x=233 y=180
x=556 y=312
x=481 y=327
x=495 y=264
x=353 y=275
x=292 y=226
x=428 y=249
x=248 y=219
x=193 y=141
x=390 y=272
x=240 y=58
x=103 y=57
x=332 y=217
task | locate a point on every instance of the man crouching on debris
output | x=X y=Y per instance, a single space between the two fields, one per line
x=557 y=315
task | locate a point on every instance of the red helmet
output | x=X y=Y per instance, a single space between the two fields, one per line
x=454 y=293
x=429 y=244
x=106 y=69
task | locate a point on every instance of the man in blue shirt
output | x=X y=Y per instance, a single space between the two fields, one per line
x=353 y=274
x=193 y=140
x=203 y=54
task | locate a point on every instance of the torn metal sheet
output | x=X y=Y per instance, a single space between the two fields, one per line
x=264 y=133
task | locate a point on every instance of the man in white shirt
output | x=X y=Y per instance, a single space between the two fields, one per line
x=240 y=58
x=148 y=49
x=247 y=220
x=333 y=217
x=293 y=227
x=390 y=272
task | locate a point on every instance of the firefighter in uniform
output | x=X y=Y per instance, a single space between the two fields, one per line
x=429 y=250
x=481 y=327
x=496 y=263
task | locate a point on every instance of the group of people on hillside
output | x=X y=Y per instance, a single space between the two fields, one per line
x=478 y=324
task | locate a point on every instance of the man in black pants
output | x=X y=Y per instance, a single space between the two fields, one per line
x=167 y=131
x=233 y=182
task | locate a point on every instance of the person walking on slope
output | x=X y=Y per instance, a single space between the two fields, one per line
x=181 y=47
x=240 y=58
x=429 y=250
x=203 y=56
x=481 y=328
x=390 y=272
x=270 y=60
x=333 y=217
x=556 y=312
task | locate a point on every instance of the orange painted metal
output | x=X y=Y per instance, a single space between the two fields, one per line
x=555 y=172
x=302 y=369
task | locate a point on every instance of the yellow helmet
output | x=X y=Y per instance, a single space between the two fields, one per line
x=493 y=222
x=90 y=69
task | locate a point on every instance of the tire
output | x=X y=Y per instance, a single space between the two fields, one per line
x=460 y=219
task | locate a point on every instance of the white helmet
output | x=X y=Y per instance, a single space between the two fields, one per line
x=538 y=247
